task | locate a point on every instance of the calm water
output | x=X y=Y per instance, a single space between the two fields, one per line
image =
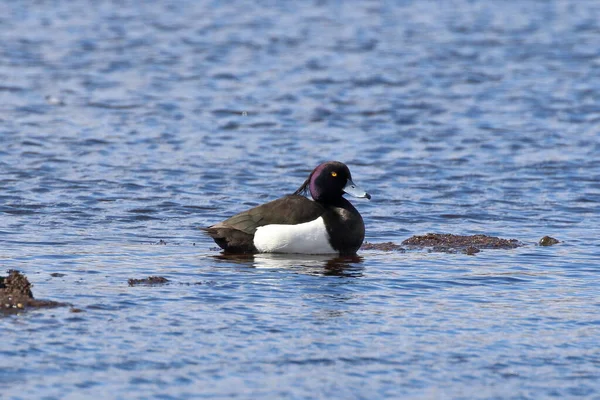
x=123 y=124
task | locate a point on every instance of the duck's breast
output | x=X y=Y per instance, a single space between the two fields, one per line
x=306 y=238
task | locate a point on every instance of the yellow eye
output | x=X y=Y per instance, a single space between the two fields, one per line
x=334 y=174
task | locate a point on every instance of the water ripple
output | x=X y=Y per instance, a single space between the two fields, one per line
x=124 y=127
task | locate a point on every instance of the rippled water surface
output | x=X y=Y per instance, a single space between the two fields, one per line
x=124 y=125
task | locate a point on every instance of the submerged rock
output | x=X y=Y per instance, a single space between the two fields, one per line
x=548 y=241
x=16 y=295
x=471 y=250
x=149 y=281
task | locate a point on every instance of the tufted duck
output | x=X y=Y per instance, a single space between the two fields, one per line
x=295 y=224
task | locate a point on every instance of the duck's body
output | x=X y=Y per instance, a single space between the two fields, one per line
x=295 y=224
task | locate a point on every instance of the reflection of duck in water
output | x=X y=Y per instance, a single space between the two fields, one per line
x=348 y=266
x=295 y=224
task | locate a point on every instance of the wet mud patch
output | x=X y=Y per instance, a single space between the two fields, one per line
x=16 y=294
x=447 y=243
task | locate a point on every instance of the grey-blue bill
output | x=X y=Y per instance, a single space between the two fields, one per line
x=355 y=191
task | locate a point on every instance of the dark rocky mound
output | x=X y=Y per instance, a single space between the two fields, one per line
x=16 y=295
x=447 y=243
x=149 y=281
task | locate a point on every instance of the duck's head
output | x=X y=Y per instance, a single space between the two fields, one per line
x=329 y=181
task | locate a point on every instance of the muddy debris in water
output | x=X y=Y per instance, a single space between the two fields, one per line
x=16 y=294
x=548 y=241
x=149 y=281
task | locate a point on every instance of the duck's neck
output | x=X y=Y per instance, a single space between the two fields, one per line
x=337 y=202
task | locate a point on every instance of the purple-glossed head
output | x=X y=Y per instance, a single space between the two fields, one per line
x=329 y=181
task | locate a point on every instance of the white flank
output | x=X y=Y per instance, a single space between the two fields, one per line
x=307 y=238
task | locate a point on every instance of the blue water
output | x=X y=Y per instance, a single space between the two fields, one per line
x=123 y=124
